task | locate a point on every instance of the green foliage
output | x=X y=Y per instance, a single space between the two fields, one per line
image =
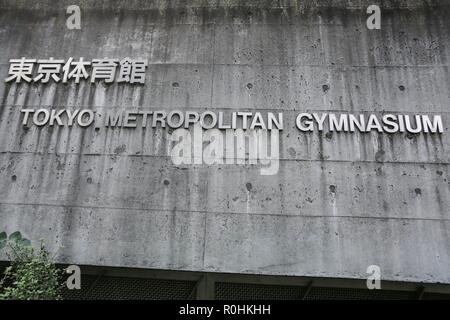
x=14 y=237
x=32 y=274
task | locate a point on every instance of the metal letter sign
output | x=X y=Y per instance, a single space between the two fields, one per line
x=128 y=70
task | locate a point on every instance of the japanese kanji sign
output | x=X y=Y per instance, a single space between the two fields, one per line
x=126 y=70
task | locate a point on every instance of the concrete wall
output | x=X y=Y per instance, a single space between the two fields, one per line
x=339 y=203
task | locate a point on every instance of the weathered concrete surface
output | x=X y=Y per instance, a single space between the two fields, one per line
x=338 y=204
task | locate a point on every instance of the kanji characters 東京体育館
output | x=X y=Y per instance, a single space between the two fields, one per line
x=109 y=70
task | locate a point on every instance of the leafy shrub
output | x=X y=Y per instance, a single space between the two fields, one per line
x=32 y=275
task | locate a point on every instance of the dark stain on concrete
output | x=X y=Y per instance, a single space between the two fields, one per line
x=120 y=149
x=292 y=152
x=379 y=156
